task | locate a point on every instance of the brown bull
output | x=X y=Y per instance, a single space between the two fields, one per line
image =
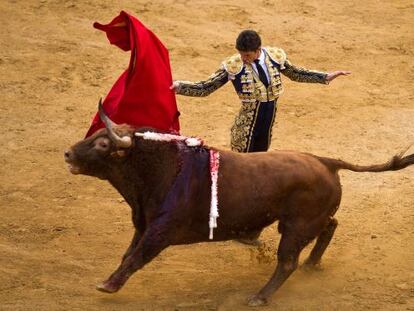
x=168 y=187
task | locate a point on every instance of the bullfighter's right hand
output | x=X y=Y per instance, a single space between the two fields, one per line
x=175 y=86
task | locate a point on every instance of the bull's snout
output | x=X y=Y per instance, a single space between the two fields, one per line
x=67 y=154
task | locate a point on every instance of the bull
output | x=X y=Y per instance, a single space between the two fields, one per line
x=168 y=187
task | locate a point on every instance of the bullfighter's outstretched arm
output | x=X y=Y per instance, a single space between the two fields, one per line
x=204 y=87
x=299 y=74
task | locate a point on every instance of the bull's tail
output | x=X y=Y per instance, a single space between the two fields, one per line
x=397 y=162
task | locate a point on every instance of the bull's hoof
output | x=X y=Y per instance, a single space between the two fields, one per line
x=107 y=288
x=309 y=266
x=256 y=301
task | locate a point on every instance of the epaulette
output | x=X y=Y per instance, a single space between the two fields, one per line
x=233 y=65
x=277 y=55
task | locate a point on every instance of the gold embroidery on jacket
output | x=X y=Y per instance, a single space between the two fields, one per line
x=275 y=85
x=255 y=86
x=269 y=134
x=246 y=78
x=277 y=55
x=203 y=88
x=233 y=65
x=299 y=74
x=242 y=128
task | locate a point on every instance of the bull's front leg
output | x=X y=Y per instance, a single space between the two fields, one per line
x=139 y=224
x=133 y=245
x=154 y=240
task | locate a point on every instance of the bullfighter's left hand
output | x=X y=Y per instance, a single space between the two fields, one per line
x=335 y=74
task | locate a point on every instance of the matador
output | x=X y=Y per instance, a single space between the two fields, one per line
x=255 y=73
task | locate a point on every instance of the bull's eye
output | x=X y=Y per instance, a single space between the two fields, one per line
x=102 y=144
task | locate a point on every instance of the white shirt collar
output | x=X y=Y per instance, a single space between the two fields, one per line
x=262 y=57
x=262 y=63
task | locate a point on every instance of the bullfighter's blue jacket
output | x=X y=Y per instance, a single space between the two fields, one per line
x=252 y=128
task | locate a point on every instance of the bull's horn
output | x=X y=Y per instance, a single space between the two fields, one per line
x=122 y=142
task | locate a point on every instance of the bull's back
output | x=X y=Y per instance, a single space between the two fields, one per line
x=255 y=189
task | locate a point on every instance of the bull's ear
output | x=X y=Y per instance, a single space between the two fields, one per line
x=121 y=142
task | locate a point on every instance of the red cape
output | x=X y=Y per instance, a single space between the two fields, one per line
x=141 y=96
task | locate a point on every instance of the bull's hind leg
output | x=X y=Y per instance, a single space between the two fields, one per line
x=288 y=252
x=321 y=244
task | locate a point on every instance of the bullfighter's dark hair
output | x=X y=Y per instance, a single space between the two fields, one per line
x=248 y=41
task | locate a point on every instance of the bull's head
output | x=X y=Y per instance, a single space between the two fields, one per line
x=96 y=154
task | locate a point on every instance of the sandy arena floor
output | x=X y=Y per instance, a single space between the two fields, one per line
x=61 y=234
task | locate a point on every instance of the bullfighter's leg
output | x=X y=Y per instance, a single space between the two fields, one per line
x=321 y=243
x=288 y=252
x=151 y=244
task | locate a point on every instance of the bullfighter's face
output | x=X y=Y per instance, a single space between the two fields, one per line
x=249 y=56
